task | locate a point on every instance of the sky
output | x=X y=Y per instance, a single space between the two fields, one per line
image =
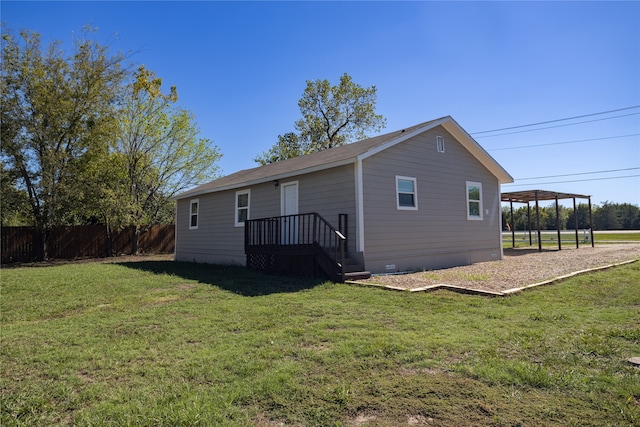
x=241 y=67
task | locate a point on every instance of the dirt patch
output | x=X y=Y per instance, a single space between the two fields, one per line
x=519 y=268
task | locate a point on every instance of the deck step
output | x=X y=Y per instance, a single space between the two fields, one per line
x=351 y=268
x=357 y=275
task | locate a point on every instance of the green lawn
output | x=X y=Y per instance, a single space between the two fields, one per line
x=176 y=344
x=568 y=239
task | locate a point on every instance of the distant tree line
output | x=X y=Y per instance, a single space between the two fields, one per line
x=608 y=216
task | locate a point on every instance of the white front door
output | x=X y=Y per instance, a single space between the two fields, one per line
x=289 y=206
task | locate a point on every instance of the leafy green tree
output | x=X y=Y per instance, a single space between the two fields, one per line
x=14 y=203
x=629 y=216
x=331 y=116
x=582 y=210
x=158 y=153
x=56 y=109
x=605 y=217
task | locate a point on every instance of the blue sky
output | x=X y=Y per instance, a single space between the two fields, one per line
x=241 y=67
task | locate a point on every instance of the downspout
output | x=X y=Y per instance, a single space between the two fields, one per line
x=359 y=206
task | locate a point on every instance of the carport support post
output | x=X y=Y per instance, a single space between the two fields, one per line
x=558 y=224
x=575 y=218
x=591 y=222
x=529 y=220
x=538 y=221
x=512 y=226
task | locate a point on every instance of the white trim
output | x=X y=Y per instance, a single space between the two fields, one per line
x=197 y=214
x=440 y=144
x=415 y=193
x=237 y=208
x=359 y=207
x=477 y=151
x=403 y=138
x=448 y=123
x=469 y=216
x=175 y=231
x=282 y=206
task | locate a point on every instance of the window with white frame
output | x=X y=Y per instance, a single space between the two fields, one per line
x=474 y=200
x=440 y=144
x=194 y=208
x=407 y=193
x=242 y=207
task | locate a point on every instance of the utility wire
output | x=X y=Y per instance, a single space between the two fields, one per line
x=563 y=142
x=558 y=126
x=557 y=120
x=574 y=174
x=577 y=180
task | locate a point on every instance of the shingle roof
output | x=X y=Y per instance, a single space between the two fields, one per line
x=325 y=159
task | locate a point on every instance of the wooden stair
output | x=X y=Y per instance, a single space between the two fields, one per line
x=354 y=271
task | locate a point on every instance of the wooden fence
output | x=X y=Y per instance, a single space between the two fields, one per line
x=21 y=244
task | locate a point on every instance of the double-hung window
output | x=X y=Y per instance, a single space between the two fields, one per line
x=242 y=207
x=194 y=209
x=407 y=193
x=474 y=200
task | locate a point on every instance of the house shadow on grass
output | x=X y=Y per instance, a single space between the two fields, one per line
x=235 y=279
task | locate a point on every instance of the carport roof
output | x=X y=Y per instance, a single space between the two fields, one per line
x=531 y=195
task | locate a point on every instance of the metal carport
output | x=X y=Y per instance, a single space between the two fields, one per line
x=538 y=195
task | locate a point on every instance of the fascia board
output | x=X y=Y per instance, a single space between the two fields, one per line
x=477 y=151
x=402 y=138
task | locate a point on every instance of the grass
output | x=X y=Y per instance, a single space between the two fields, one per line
x=172 y=344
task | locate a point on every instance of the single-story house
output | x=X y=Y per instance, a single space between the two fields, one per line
x=423 y=197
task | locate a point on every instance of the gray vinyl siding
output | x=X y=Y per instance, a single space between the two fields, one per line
x=216 y=240
x=330 y=193
x=438 y=234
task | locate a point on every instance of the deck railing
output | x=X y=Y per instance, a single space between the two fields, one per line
x=293 y=233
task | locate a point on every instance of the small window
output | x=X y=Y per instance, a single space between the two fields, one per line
x=194 y=207
x=407 y=198
x=474 y=200
x=440 y=144
x=242 y=207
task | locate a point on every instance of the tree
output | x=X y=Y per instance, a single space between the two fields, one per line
x=629 y=216
x=157 y=152
x=582 y=211
x=14 y=203
x=331 y=116
x=56 y=110
x=605 y=217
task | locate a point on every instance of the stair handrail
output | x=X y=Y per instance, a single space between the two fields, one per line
x=299 y=229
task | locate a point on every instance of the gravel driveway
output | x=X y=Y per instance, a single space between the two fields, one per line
x=518 y=269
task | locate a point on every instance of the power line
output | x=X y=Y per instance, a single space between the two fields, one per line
x=577 y=180
x=558 y=126
x=574 y=174
x=563 y=142
x=557 y=120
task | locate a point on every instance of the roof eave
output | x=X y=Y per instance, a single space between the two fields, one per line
x=271 y=178
x=478 y=152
